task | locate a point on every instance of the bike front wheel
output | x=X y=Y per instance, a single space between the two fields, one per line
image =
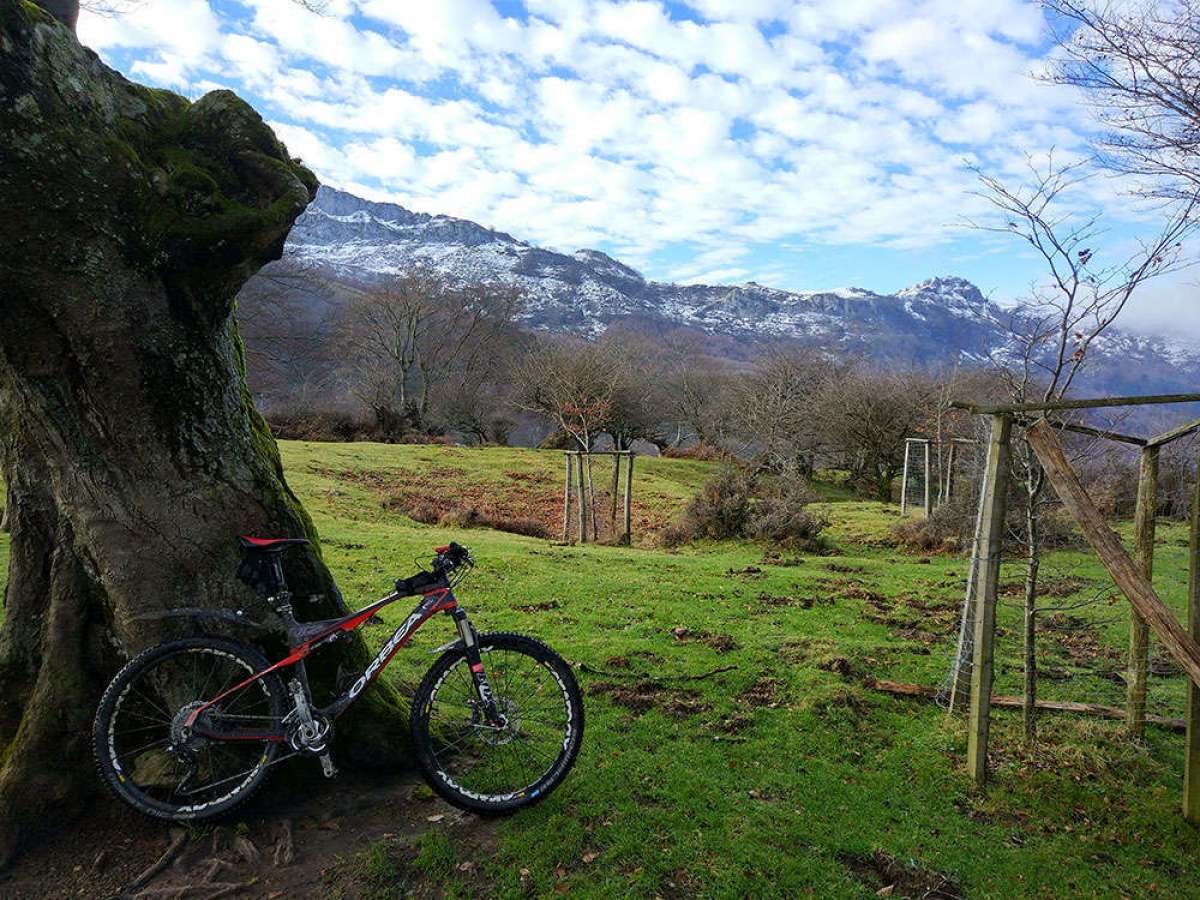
x=494 y=770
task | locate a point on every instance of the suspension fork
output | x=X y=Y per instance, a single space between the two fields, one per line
x=483 y=688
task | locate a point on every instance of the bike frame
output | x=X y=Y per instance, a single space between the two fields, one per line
x=304 y=638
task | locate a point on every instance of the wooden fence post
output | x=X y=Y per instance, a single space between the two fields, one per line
x=628 y=537
x=1139 y=631
x=1191 y=756
x=567 y=501
x=986 y=588
x=904 y=480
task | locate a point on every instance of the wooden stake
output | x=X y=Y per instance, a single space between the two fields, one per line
x=628 y=537
x=928 y=509
x=567 y=501
x=904 y=480
x=986 y=588
x=582 y=493
x=1191 y=745
x=1139 y=631
x=612 y=507
x=1181 y=645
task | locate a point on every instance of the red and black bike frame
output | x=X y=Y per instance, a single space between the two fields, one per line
x=304 y=638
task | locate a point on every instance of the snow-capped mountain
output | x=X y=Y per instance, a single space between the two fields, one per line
x=355 y=241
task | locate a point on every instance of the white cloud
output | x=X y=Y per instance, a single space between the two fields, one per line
x=721 y=125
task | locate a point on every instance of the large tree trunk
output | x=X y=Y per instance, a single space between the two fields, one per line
x=134 y=456
x=66 y=11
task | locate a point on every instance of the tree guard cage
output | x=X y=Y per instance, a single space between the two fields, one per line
x=973 y=672
x=582 y=512
x=932 y=472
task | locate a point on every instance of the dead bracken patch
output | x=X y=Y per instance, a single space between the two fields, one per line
x=646 y=695
x=889 y=877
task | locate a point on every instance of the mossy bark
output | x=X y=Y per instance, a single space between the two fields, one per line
x=134 y=455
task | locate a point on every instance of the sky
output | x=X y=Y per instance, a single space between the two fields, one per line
x=801 y=145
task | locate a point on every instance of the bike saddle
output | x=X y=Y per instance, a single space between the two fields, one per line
x=269 y=545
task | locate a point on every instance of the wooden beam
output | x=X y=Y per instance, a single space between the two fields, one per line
x=924 y=692
x=1182 y=646
x=991 y=539
x=1139 y=631
x=1105 y=433
x=1096 y=403
x=1191 y=745
x=1174 y=434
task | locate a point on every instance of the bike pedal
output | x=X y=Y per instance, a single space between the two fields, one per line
x=327 y=765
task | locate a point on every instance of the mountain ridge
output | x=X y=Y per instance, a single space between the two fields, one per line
x=941 y=320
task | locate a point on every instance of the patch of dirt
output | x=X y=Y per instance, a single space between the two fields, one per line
x=776 y=601
x=1078 y=639
x=888 y=877
x=748 y=571
x=643 y=696
x=764 y=692
x=839 y=567
x=722 y=643
x=544 y=606
x=299 y=837
x=777 y=559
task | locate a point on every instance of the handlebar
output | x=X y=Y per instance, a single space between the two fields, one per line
x=450 y=557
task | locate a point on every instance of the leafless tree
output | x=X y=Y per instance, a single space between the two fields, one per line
x=1081 y=292
x=405 y=339
x=697 y=395
x=865 y=415
x=1137 y=64
x=774 y=408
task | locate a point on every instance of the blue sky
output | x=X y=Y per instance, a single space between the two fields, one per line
x=802 y=145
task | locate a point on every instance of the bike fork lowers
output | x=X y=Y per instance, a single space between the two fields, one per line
x=483 y=688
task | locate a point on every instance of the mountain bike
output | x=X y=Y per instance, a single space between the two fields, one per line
x=189 y=729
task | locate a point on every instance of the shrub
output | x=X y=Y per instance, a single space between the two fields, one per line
x=736 y=505
x=948 y=529
x=720 y=510
x=781 y=514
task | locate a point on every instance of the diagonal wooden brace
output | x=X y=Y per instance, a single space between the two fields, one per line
x=1127 y=574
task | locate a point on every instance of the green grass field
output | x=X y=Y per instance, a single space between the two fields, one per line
x=785 y=775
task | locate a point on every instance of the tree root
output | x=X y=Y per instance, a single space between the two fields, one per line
x=179 y=838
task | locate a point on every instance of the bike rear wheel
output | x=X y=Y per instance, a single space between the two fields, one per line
x=148 y=757
x=492 y=770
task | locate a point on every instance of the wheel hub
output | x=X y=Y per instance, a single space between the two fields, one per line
x=498 y=736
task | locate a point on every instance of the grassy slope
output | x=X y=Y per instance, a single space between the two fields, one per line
x=783 y=767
